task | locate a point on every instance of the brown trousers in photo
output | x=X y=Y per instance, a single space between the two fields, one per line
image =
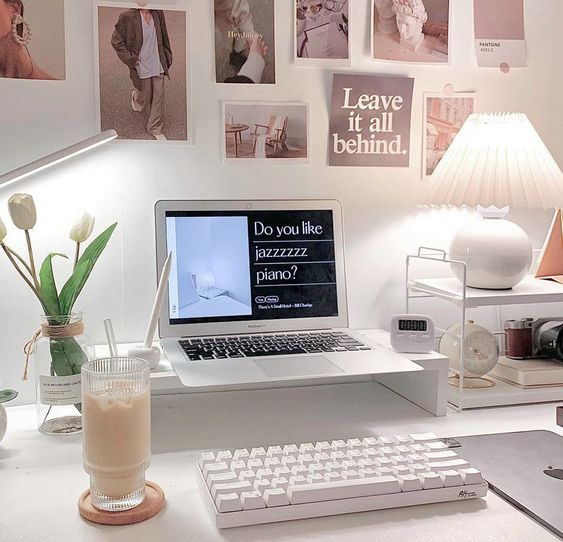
x=152 y=94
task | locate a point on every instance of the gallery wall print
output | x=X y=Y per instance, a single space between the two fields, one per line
x=370 y=120
x=265 y=132
x=322 y=33
x=499 y=33
x=411 y=30
x=141 y=61
x=32 y=39
x=444 y=115
x=245 y=41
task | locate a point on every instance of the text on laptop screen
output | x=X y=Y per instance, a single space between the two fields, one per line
x=251 y=265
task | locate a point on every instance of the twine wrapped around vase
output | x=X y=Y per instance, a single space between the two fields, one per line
x=73 y=329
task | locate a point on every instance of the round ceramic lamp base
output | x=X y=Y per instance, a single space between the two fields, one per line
x=497 y=253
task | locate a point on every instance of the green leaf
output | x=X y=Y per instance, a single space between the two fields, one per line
x=71 y=290
x=7 y=395
x=73 y=286
x=49 y=293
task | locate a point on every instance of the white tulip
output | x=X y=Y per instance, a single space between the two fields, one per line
x=22 y=211
x=3 y=230
x=82 y=228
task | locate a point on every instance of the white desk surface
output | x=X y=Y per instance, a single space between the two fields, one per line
x=41 y=477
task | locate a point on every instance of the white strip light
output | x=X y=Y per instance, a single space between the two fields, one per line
x=57 y=157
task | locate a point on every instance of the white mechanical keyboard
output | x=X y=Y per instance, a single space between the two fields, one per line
x=296 y=481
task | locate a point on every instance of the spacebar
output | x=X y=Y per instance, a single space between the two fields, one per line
x=343 y=489
x=276 y=353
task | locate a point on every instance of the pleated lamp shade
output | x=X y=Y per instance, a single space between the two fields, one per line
x=497 y=160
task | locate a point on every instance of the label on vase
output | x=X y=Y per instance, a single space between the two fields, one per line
x=60 y=390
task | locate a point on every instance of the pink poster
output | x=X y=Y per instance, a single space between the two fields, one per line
x=370 y=120
x=499 y=33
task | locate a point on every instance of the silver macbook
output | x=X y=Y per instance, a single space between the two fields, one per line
x=525 y=468
x=257 y=296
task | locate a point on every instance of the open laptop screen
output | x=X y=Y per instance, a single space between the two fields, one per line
x=251 y=265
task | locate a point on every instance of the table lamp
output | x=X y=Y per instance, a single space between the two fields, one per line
x=496 y=161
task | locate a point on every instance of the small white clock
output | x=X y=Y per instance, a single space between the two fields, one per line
x=479 y=347
x=412 y=333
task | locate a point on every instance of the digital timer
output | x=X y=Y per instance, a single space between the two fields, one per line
x=412 y=333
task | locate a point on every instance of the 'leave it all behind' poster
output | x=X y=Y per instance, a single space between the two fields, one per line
x=370 y=120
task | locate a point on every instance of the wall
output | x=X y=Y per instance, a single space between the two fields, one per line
x=123 y=180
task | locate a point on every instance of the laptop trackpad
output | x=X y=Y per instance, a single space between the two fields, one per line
x=297 y=366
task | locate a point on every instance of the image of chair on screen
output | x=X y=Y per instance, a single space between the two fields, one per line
x=212 y=266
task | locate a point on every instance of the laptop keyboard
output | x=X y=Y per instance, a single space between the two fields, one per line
x=207 y=348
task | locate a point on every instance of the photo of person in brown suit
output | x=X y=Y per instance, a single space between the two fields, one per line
x=147 y=100
x=147 y=54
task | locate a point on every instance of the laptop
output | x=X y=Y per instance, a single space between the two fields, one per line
x=525 y=468
x=257 y=296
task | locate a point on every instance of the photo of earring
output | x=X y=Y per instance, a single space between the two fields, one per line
x=21 y=35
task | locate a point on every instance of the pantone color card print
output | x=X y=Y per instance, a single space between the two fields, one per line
x=443 y=118
x=32 y=39
x=370 y=120
x=245 y=41
x=273 y=132
x=322 y=30
x=141 y=61
x=499 y=33
x=411 y=30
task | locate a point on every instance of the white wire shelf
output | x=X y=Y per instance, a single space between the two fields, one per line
x=530 y=290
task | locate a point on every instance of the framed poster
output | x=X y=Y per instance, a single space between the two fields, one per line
x=141 y=61
x=370 y=120
x=245 y=41
x=499 y=33
x=32 y=39
x=260 y=132
x=444 y=116
x=322 y=33
x=411 y=30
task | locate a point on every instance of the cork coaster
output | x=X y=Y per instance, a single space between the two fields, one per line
x=152 y=505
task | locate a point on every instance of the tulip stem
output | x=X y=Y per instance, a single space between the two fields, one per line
x=31 y=260
x=76 y=255
x=27 y=281
x=21 y=260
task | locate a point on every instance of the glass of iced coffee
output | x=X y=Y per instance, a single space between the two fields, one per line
x=116 y=430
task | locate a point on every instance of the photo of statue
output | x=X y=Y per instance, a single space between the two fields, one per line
x=411 y=30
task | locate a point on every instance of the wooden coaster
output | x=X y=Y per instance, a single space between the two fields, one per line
x=152 y=505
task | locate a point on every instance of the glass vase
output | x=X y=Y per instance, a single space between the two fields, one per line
x=59 y=354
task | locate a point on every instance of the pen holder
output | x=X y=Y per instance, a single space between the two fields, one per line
x=150 y=355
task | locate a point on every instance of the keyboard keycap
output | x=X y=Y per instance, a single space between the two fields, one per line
x=409 y=482
x=252 y=500
x=437 y=466
x=451 y=478
x=430 y=480
x=275 y=497
x=343 y=489
x=233 y=487
x=228 y=502
x=471 y=476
